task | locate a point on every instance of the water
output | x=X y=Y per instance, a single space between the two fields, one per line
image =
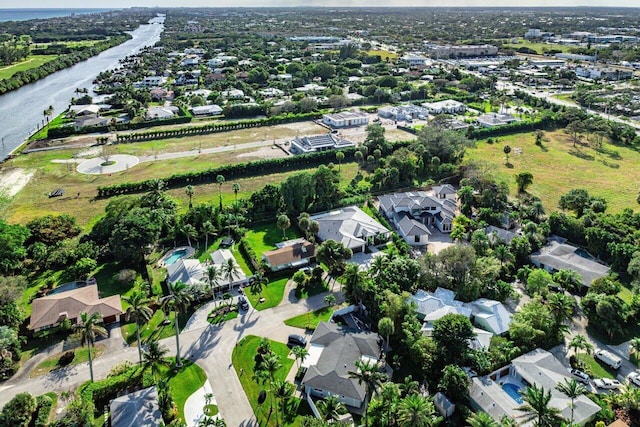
x=26 y=14
x=513 y=391
x=67 y=287
x=21 y=111
x=175 y=257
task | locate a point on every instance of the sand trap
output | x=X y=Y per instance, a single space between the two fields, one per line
x=14 y=180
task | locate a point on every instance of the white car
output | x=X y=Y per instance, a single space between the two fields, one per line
x=607 y=383
x=580 y=376
x=634 y=377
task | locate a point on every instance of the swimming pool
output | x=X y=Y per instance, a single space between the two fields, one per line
x=67 y=287
x=175 y=256
x=513 y=391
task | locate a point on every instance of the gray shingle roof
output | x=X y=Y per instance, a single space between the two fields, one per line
x=411 y=227
x=349 y=225
x=559 y=256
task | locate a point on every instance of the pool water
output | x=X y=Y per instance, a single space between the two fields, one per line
x=175 y=257
x=513 y=391
x=67 y=287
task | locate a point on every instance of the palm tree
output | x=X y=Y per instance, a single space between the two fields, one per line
x=220 y=181
x=230 y=270
x=353 y=279
x=536 y=407
x=482 y=419
x=189 y=231
x=560 y=308
x=282 y=391
x=258 y=283
x=572 y=389
x=208 y=229
x=386 y=328
x=236 y=189
x=331 y=408
x=416 y=410
x=300 y=353
x=213 y=274
x=283 y=223
x=155 y=357
x=368 y=373
x=140 y=311
x=634 y=347
x=189 y=190
x=178 y=300
x=507 y=149
x=89 y=327
x=579 y=342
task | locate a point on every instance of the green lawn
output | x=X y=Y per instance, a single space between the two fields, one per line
x=154 y=329
x=243 y=362
x=540 y=48
x=272 y=293
x=263 y=238
x=33 y=61
x=214 y=244
x=384 y=54
x=626 y=294
x=558 y=167
x=220 y=318
x=183 y=384
x=309 y=291
x=310 y=320
x=596 y=369
x=51 y=362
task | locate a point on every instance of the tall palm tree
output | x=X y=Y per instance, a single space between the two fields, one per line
x=353 y=279
x=236 y=189
x=230 y=270
x=189 y=231
x=368 y=373
x=139 y=311
x=258 y=283
x=89 y=328
x=155 y=357
x=561 y=309
x=331 y=408
x=482 y=419
x=416 y=410
x=634 y=347
x=189 y=191
x=178 y=300
x=220 y=181
x=282 y=391
x=572 y=389
x=213 y=274
x=579 y=342
x=536 y=407
x=300 y=353
x=208 y=229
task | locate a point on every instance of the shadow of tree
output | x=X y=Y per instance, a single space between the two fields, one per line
x=581 y=155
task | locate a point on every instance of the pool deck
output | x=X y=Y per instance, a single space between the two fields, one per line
x=189 y=253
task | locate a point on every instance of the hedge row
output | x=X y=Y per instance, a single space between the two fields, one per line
x=249 y=254
x=217 y=127
x=43 y=411
x=100 y=392
x=232 y=171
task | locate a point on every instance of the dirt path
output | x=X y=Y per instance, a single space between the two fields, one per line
x=14 y=180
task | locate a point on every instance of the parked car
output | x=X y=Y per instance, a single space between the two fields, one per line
x=580 y=376
x=608 y=358
x=607 y=383
x=243 y=303
x=634 y=378
x=296 y=340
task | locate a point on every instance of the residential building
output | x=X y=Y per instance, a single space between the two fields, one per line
x=220 y=258
x=83 y=110
x=333 y=350
x=422 y=206
x=188 y=78
x=497 y=234
x=490 y=120
x=232 y=94
x=463 y=51
x=136 y=409
x=51 y=310
x=346 y=119
x=159 y=113
x=490 y=315
x=610 y=74
x=207 y=110
x=310 y=144
x=499 y=393
x=413 y=232
x=403 y=112
x=186 y=270
x=557 y=256
x=414 y=60
x=447 y=106
x=351 y=227
x=290 y=254
x=443 y=405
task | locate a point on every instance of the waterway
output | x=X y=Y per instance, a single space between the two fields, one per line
x=21 y=111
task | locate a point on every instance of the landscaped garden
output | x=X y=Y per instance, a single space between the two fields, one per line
x=309 y=321
x=67 y=359
x=263 y=238
x=272 y=294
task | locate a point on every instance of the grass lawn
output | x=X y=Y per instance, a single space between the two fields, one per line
x=154 y=329
x=626 y=294
x=32 y=61
x=263 y=238
x=384 y=54
x=51 y=362
x=183 y=384
x=597 y=370
x=204 y=254
x=220 y=317
x=272 y=293
x=243 y=362
x=558 y=167
x=541 y=48
x=310 y=320
x=54 y=404
x=309 y=291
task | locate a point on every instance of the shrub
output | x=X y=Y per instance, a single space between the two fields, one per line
x=67 y=358
x=18 y=411
x=43 y=411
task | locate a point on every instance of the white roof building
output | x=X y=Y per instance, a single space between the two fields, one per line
x=350 y=226
x=447 y=106
x=187 y=271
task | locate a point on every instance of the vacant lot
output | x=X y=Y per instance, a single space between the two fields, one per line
x=557 y=167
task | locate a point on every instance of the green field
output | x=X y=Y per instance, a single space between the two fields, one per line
x=32 y=61
x=272 y=294
x=310 y=320
x=558 y=167
x=81 y=356
x=384 y=54
x=541 y=48
x=264 y=237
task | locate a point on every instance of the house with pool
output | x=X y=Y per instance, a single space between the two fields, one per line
x=499 y=393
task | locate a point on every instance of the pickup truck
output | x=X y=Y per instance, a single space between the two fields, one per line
x=607 y=383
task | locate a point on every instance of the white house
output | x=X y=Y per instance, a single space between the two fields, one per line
x=350 y=226
x=425 y=207
x=414 y=60
x=323 y=142
x=346 y=118
x=206 y=110
x=186 y=270
x=403 y=112
x=220 y=259
x=500 y=393
x=413 y=232
x=447 y=106
x=490 y=120
x=161 y=112
x=232 y=94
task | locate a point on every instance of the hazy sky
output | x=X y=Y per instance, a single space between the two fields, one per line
x=325 y=3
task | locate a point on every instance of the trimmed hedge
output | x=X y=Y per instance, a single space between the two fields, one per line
x=217 y=127
x=100 y=392
x=233 y=171
x=43 y=411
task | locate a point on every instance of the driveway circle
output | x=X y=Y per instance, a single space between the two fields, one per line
x=117 y=163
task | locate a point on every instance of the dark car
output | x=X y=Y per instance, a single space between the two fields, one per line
x=296 y=340
x=243 y=303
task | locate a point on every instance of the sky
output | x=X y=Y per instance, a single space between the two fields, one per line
x=316 y=3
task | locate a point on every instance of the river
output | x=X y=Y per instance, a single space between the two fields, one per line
x=21 y=111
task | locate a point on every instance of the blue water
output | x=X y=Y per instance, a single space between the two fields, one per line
x=67 y=287
x=175 y=256
x=583 y=253
x=26 y=14
x=513 y=392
